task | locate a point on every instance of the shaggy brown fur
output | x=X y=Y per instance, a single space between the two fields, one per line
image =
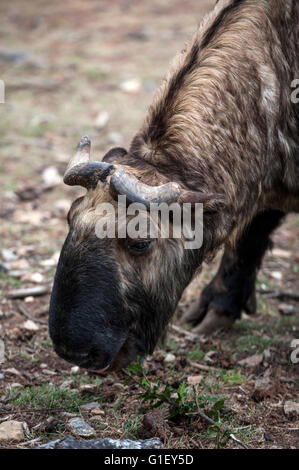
x=223 y=120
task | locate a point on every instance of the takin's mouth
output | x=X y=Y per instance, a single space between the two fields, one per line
x=127 y=353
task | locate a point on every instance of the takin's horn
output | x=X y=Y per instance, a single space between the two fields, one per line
x=125 y=183
x=81 y=171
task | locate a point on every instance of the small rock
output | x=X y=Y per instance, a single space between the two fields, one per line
x=276 y=275
x=194 y=379
x=252 y=361
x=101 y=119
x=17 y=274
x=29 y=299
x=286 y=309
x=72 y=443
x=37 y=278
x=12 y=431
x=74 y=370
x=1 y=376
x=49 y=372
x=80 y=428
x=51 y=176
x=263 y=388
x=8 y=255
x=277 y=252
x=15 y=385
x=89 y=406
x=132 y=85
x=29 y=325
x=13 y=371
x=291 y=409
x=97 y=411
x=2 y=351
x=169 y=358
x=66 y=384
x=68 y=414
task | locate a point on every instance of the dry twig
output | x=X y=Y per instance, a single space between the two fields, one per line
x=29 y=291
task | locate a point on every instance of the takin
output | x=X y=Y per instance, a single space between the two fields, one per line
x=223 y=132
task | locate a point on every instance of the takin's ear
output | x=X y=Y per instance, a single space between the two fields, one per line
x=208 y=199
x=115 y=155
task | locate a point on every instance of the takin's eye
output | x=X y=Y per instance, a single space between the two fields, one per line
x=139 y=246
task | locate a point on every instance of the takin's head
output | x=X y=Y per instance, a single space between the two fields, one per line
x=113 y=297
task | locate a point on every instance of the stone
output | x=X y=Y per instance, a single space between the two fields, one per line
x=30 y=325
x=252 y=361
x=8 y=255
x=15 y=385
x=89 y=406
x=169 y=358
x=264 y=387
x=74 y=370
x=97 y=411
x=13 y=371
x=80 y=428
x=51 y=176
x=286 y=309
x=277 y=275
x=194 y=379
x=132 y=85
x=37 y=278
x=66 y=384
x=49 y=372
x=72 y=443
x=12 y=431
x=291 y=409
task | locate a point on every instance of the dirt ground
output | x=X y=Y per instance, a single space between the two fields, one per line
x=77 y=67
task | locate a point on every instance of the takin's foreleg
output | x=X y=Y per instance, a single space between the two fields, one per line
x=233 y=287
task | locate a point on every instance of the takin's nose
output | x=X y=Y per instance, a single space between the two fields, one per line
x=92 y=358
x=93 y=352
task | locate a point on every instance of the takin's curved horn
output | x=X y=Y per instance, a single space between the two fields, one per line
x=125 y=183
x=81 y=171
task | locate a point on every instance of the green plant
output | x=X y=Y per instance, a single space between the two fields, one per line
x=158 y=393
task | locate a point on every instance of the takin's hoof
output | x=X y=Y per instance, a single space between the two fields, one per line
x=194 y=314
x=213 y=321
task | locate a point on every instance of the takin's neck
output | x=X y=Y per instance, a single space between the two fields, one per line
x=216 y=123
